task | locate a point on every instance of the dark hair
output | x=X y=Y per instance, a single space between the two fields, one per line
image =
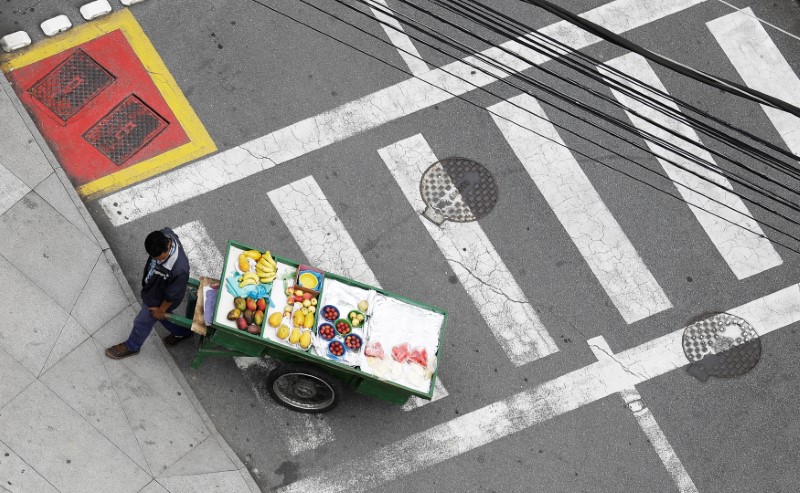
x=156 y=243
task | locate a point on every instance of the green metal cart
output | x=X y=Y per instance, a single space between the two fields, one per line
x=304 y=381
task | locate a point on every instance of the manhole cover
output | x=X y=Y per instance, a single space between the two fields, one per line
x=459 y=190
x=126 y=129
x=68 y=87
x=721 y=345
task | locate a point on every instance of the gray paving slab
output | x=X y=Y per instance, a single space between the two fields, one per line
x=72 y=335
x=12 y=189
x=55 y=440
x=204 y=458
x=151 y=367
x=163 y=433
x=82 y=381
x=21 y=153
x=102 y=298
x=15 y=378
x=17 y=476
x=31 y=321
x=52 y=190
x=47 y=249
x=223 y=482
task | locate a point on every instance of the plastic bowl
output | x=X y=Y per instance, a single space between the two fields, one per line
x=333 y=330
x=361 y=323
x=322 y=312
x=360 y=342
x=334 y=344
x=346 y=331
x=308 y=280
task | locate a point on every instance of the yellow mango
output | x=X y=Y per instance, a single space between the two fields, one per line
x=309 y=321
x=305 y=340
x=294 y=337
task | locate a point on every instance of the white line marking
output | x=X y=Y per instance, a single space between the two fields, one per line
x=326 y=243
x=647 y=422
x=597 y=235
x=761 y=65
x=371 y=111
x=749 y=12
x=204 y=257
x=473 y=258
x=303 y=432
x=398 y=37
x=530 y=407
x=746 y=252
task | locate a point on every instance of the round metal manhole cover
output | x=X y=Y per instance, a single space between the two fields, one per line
x=458 y=189
x=721 y=345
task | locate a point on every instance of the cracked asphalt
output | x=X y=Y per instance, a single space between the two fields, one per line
x=248 y=72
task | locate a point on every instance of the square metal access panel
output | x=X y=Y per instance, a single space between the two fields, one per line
x=71 y=85
x=125 y=130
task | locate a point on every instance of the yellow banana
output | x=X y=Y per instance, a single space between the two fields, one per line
x=248 y=282
x=264 y=271
x=248 y=275
x=269 y=258
x=253 y=254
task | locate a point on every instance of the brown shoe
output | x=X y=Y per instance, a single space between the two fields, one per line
x=172 y=339
x=120 y=351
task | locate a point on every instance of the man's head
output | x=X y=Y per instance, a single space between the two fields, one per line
x=157 y=245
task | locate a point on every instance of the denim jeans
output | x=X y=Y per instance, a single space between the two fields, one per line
x=143 y=324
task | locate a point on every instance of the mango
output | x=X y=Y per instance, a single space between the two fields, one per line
x=241 y=323
x=240 y=304
x=251 y=304
x=275 y=319
x=234 y=314
x=309 y=321
x=248 y=316
x=305 y=339
x=283 y=332
x=258 y=317
x=254 y=329
x=261 y=304
x=294 y=337
x=298 y=319
x=244 y=265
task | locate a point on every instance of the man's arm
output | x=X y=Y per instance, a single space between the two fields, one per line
x=160 y=312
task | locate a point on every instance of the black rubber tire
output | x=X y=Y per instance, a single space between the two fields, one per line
x=304 y=388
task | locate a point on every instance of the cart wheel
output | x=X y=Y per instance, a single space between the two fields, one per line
x=304 y=388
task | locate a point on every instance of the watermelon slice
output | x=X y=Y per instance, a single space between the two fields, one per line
x=374 y=349
x=420 y=356
x=401 y=352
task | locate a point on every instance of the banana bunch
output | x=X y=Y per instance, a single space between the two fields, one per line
x=266 y=268
x=248 y=279
x=253 y=254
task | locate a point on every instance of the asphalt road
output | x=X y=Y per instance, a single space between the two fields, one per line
x=248 y=71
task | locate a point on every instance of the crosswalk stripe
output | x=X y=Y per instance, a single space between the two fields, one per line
x=533 y=406
x=303 y=432
x=746 y=252
x=647 y=422
x=761 y=65
x=399 y=38
x=326 y=243
x=474 y=260
x=371 y=111
x=577 y=205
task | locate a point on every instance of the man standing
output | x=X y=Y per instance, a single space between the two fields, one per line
x=164 y=281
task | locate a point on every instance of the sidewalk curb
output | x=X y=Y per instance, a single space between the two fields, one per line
x=123 y=282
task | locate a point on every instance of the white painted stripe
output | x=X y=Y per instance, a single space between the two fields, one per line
x=530 y=407
x=205 y=259
x=473 y=258
x=647 y=422
x=371 y=111
x=303 y=431
x=398 y=37
x=747 y=253
x=577 y=205
x=318 y=230
x=762 y=67
x=415 y=402
x=325 y=241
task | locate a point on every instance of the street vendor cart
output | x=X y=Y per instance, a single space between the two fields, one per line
x=326 y=330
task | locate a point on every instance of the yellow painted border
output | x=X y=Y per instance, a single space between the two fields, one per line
x=200 y=142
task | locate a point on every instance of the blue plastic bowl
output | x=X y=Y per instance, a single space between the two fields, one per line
x=335 y=355
x=333 y=329
x=356 y=336
x=322 y=312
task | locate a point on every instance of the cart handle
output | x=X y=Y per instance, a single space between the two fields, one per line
x=179 y=320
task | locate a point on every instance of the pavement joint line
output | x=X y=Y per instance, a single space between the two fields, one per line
x=369 y=112
x=537 y=404
x=647 y=422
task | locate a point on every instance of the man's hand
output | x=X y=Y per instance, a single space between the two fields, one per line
x=158 y=313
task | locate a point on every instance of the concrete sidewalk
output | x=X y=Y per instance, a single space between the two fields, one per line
x=72 y=420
